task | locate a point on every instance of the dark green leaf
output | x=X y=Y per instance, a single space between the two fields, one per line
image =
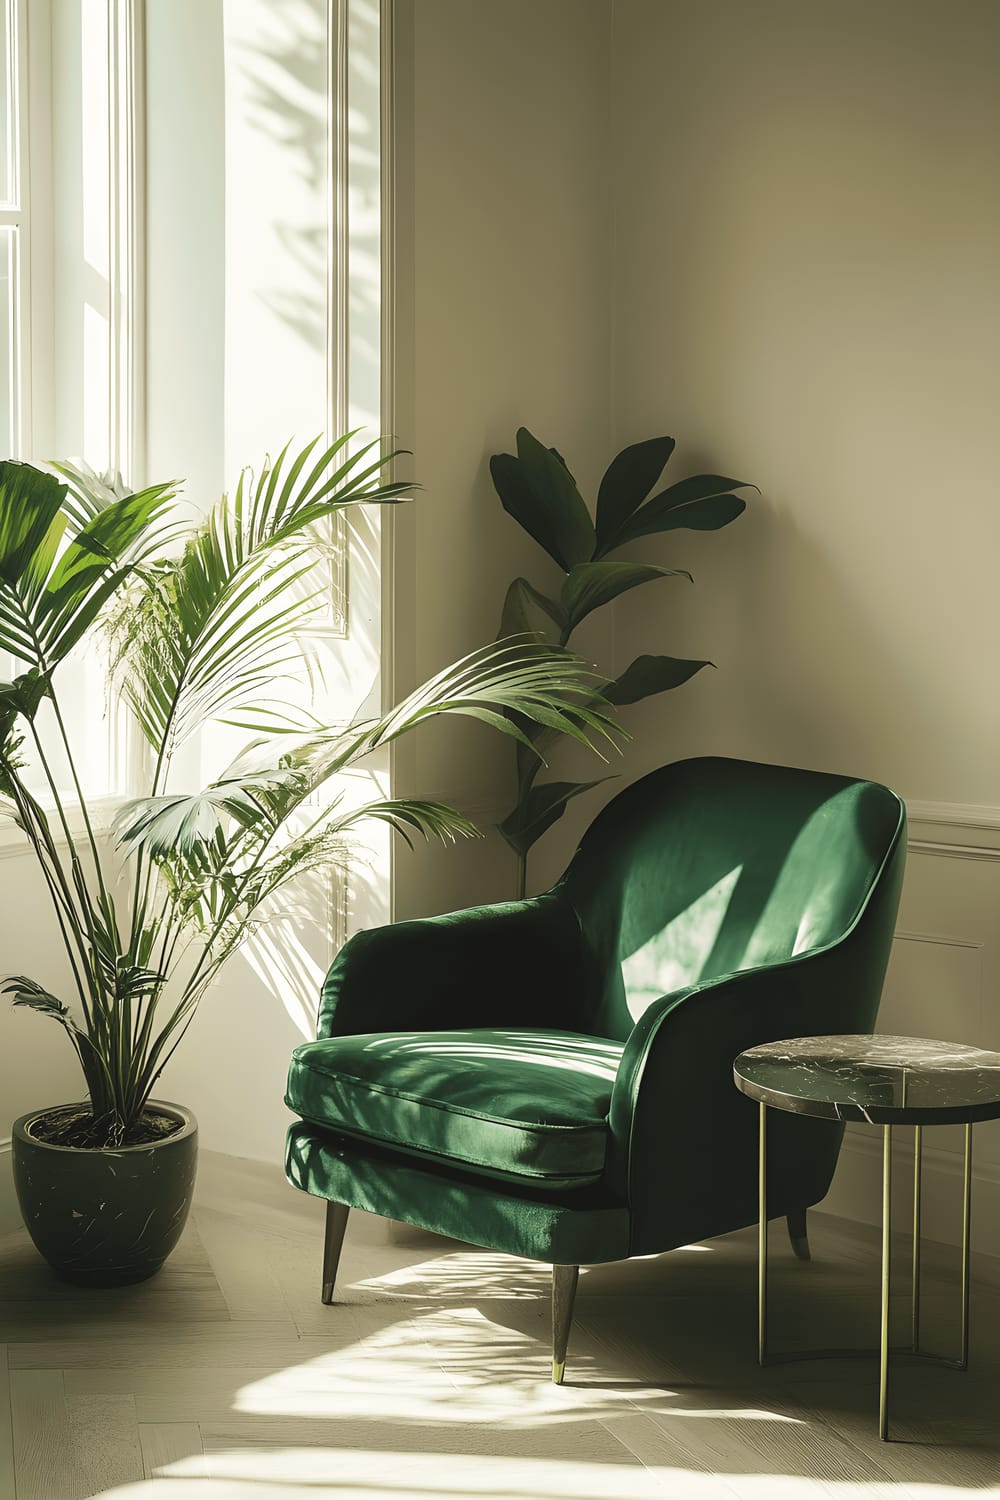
x=590 y=585
x=518 y=500
x=515 y=619
x=555 y=488
x=700 y=503
x=628 y=481
x=538 y=490
x=543 y=805
x=648 y=675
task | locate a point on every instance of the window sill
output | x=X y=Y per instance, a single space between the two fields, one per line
x=14 y=842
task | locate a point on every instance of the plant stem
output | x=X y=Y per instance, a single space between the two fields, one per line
x=83 y=895
x=106 y=902
x=36 y=827
x=522 y=875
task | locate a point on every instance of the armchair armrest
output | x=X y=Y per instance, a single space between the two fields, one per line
x=684 y=1139
x=520 y=963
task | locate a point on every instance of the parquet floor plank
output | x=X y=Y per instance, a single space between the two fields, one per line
x=429 y=1380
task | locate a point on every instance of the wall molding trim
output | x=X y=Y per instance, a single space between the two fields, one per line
x=935 y=1158
x=941 y=939
x=954 y=814
x=856 y=1194
x=954 y=851
x=14 y=842
x=954 y=830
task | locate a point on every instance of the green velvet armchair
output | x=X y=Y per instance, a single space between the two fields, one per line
x=553 y=1077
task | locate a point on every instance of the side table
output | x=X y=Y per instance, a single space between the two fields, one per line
x=886 y=1081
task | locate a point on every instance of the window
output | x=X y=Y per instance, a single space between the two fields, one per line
x=198 y=279
x=69 y=257
x=12 y=221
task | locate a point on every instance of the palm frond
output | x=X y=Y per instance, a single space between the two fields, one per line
x=89 y=493
x=28 y=992
x=206 y=635
x=181 y=824
x=60 y=567
x=545 y=684
x=409 y=815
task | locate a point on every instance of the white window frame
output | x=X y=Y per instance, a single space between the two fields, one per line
x=38 y=435
x=14 y=215
x=31 y=105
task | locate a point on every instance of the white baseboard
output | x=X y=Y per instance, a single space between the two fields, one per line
x=856 y=1193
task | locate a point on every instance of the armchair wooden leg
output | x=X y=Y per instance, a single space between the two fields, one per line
x=564 y=1280
x=336 y=1223
x=798 y=1235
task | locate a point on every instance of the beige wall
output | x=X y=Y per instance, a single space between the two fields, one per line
x=808 y=224
x=806 y=295
x=795 y=209
x=504 y=273
x=795 y=206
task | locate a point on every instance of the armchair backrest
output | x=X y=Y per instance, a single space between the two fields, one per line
x=713 y=866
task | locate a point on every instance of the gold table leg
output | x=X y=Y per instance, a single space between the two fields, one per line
x=883 y=1384
x=884 y=1349
x=963 y=1363
x=918 y=1145
x=762 y=1239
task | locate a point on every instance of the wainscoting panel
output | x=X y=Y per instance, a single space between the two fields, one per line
x=943 y=981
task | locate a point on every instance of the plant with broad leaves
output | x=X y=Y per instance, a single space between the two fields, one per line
x=203 y=623
x=536 y=488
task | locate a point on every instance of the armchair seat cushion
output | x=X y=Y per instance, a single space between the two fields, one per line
x=515 y=1103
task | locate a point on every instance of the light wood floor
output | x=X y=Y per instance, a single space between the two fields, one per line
x=225 y=1378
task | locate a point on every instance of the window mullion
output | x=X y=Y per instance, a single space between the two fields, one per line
x=13 y=269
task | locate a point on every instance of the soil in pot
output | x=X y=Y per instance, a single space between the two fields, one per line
x=105 y=1215
x=76 y=1125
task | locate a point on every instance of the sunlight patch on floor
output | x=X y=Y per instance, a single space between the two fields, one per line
x=463 y=1274
x=734 y=1414
x=356 y=1474
x=454 y=1366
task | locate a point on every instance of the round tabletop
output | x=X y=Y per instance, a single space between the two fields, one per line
x=884 y=1080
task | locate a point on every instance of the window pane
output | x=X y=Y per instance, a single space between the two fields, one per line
x=8 y=81
x=8 y=342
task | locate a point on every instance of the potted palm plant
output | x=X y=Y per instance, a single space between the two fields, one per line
x=200 y=623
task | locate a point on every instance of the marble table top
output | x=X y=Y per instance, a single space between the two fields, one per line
x=886 y=1080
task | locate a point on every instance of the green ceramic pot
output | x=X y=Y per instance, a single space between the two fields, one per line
x=104 y=1217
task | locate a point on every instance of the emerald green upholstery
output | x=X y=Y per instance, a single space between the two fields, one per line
x=531 y=1105
x=553 y=1077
